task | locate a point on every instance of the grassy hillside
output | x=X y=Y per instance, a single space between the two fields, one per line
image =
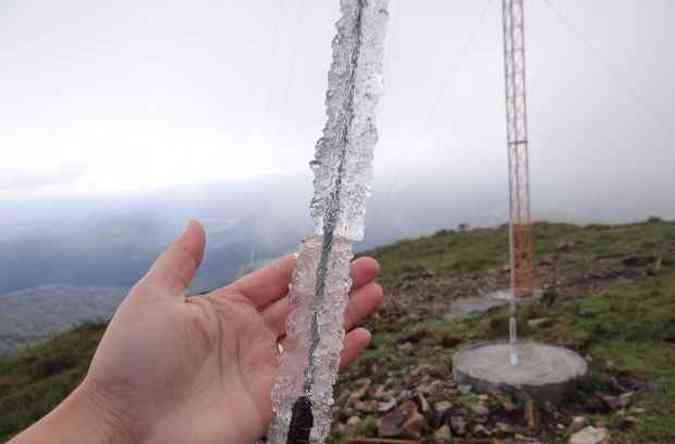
x=609 y=294
x=32 y=315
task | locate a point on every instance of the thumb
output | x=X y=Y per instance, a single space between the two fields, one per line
x=175 y=268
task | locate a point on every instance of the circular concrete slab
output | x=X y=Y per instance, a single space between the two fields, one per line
x=545 y=373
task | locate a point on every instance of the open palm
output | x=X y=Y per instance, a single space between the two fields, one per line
x=177 y=369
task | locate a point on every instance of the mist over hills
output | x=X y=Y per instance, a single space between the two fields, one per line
x=33 y=315
x=68 y=260
x=112 y=241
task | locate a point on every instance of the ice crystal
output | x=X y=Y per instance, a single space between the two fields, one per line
x=343 y=161
x=342 y=173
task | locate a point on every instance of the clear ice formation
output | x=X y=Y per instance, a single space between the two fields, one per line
x=344 y=154
x=295 y=365
x=342 y=173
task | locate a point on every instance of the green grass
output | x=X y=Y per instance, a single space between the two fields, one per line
x=627 y=324
x=37 y=379
x=444 y=252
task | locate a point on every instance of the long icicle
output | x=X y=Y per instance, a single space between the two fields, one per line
x=303 y=394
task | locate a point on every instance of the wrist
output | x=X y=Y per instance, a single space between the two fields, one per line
x=84 y=416
x=110 y=425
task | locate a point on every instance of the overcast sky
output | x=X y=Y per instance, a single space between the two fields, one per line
x=130 y=95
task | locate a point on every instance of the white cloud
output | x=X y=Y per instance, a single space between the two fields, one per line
x=36 y=179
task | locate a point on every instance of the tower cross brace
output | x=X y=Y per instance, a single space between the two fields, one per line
x=521 y=232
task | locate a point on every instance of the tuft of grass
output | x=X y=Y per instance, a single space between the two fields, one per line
x=38 y=378
x=446 y=251
x=367 y=427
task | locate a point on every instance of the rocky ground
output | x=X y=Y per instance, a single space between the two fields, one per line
x=608 y=294
x=403 y=389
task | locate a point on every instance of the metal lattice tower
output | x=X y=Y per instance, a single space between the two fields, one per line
x=521 y=232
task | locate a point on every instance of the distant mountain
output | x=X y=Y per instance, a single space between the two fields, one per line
x=112 y=241
x=35 y=314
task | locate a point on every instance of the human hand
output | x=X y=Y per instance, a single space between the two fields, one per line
x=173 y=369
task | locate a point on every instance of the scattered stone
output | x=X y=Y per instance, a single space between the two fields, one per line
x=413 y=338
x=450 y=341
x=540 y=323
x=546 y=260
x=480 y=431
x=612 y=402
x=638 y=261
x=348 y=411
x=410 y=380
x=380 y=392
x=458 y=425
x=431 y=388
x=442 y=407
x=532 y=416
x=385 y=406
x=503 y=430
x=354 y=421
x=421 y=369
x=343 y=398
x=578 y=423
x=656 y=267
x=590 y=435
x=627 y=422
x=391 y=424
x=549 y=297
x=505 y=402
x=464 y=389
x=626 y=399
x=480 y=409
x=422 y=403
x=414 y=426
x=406 y=347
x=404 y=395
x=443 y=435
x=566 y=246
x=365 y=406
x=360 y=392
x=400 y=421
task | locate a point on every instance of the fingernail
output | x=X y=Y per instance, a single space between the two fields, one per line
x=187 y=225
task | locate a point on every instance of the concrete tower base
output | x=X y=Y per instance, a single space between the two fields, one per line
x=545 y=373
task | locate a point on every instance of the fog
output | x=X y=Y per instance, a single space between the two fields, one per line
x=121 y=121
x=112 y=241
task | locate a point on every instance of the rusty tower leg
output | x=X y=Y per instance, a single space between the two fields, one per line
x=521 y=232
